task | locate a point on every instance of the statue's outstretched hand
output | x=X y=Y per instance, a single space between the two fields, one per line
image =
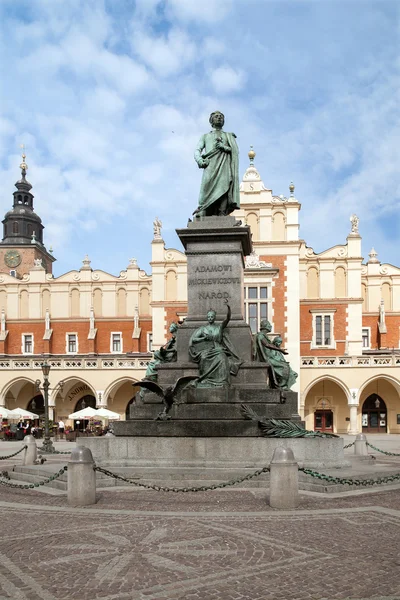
x=203 y=163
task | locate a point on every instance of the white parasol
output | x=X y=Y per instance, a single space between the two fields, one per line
x=104 y=413
x=21 y=413
x=85 y=413
x=4 y=413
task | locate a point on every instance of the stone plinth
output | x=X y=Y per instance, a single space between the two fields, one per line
x=210 y=452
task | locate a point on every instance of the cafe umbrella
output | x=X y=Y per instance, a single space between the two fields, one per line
x=85 y=414
x=21 y=413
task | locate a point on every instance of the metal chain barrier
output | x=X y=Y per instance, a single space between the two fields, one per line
x=43 y=451
x=30 y=486
x=202 y=488
x=348 y=445
x=382 y=451
x=11 y=455
x=347 y=481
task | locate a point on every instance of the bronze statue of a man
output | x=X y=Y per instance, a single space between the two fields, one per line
x=218 y=154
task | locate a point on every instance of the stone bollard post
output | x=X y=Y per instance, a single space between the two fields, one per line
x=109 y=434
x=30 y=453
x=360 y=445
x=284 y=480
x=81 y=478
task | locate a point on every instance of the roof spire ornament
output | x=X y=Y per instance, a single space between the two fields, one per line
x=291 y=189
x=251 y=156
x=23 y=166
x=373 y=256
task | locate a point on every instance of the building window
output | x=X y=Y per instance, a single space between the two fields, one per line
x=116 y=342
x=256 y=300
x=366 y=342
x=13 y=273
x=27 y=343
x=323 y=329
x=149 y=342
x=15 y=227
x=72 y=343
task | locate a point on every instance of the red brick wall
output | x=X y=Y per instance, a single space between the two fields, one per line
x=278 y=293
x=57 y=343
x=28 y=254
x=392 y=326
x=306 y=330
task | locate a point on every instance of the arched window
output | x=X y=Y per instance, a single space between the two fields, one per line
x=98 y=302
x=15 y=229
x=29 y=230
x=144 y=301
x=121 y=302
x=170 y=286
x=252 y=222
x=312 y=283
x=75 y=303
x=45 y=302
x=26 y=199
x=278 y=227
x=24 y=304
x=3 y=300
x=364 y=297
x=19 y=199
x=386 y=293
x=340 y=283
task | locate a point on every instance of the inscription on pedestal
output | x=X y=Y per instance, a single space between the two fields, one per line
x=215 y=276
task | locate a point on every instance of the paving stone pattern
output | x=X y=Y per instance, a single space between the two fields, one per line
x=226 y=545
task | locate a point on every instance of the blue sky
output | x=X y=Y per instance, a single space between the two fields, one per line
x=111 y=96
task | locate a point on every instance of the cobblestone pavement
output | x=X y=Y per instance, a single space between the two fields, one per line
x=223 y=545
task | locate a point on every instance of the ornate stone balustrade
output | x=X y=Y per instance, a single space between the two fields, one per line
x=75 y=363
x=392 y=360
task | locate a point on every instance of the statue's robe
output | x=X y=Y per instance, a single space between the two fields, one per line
x=221 y=177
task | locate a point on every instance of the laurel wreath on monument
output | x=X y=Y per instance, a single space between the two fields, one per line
x=280 y=428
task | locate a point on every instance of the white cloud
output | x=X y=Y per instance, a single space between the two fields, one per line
x=166 y=55
x=208 y=11
x=226 y=80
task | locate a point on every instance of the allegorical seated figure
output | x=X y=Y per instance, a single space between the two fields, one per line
x=265 y=350
x=218 y=154
x=212 y=349
x=165 y=354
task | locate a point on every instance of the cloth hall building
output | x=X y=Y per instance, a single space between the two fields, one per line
x=338 y=315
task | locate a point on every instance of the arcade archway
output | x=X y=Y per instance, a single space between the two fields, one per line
x=374 y=415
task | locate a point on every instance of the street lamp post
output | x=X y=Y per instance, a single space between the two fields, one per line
x=47 y=443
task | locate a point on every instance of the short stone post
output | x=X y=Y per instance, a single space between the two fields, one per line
x=360 y=445
x=284 y=480
x=30 y=452
x=81 y=478
x=109 y=434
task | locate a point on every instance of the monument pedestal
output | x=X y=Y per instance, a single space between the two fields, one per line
x=215 y=249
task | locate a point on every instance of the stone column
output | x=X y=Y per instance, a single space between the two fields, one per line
x=353 y=419
x=81 y=478
x=284 y=480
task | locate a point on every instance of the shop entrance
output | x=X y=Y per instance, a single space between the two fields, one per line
x=374 y=415
x=323 y=420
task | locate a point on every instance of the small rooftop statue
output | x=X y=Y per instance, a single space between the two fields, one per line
x=218 y=154
x=354 y=220
x=157 y=224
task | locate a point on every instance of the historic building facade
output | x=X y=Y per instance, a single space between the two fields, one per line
x=339 y=316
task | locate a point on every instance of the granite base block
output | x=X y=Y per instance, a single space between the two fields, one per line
x=215 y=452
